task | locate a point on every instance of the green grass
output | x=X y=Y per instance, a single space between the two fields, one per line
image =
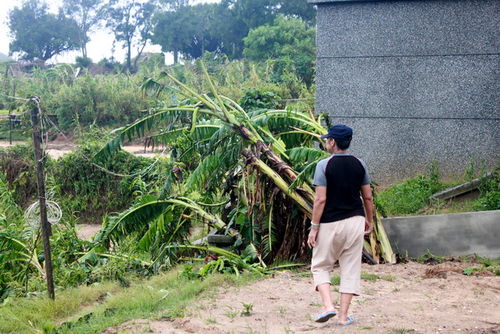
x=91 y=309
x=4 y=112
x=402 y=331
x=369 y=277
x=408 y=197
x=428 y=257
x=412 y=196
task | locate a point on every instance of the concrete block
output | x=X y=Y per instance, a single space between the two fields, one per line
x=395 y=149
x=391 y=28
x=439 y=87
x=446 y=235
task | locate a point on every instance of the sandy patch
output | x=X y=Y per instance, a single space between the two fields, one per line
x=87 y=231
x=60 y=147
x=401 y=301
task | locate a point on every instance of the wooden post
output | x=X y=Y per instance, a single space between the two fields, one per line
x=10 y=129
x=44 y=223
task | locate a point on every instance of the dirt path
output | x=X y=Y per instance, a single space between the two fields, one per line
x=400 y=301
x=58 y=148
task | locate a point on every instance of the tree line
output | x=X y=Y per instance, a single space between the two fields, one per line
x=254 y=29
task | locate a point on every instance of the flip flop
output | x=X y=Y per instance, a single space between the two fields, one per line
x=325 y=316
x=350 y=320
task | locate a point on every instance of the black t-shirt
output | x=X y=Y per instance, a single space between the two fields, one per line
x=344 y=175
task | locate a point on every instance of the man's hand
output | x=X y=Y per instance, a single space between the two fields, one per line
x=311 y=240
x=368 y=227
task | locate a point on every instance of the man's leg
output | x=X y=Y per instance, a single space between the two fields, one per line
x=326 y=297
x=350 y=264
x=322 y=264
x=345 y=302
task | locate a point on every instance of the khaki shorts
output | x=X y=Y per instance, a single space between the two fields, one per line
x=343 y=241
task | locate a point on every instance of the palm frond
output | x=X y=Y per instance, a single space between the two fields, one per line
x=141 y=126
x=138 y=217
x=306 y=175
x=134 y=219
x=305 y=155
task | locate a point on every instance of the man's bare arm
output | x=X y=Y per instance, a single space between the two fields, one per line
x=366 y=194
x=319 y=204
x=318 y=207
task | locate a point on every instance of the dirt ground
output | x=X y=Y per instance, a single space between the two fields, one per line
x=406 y=298
x=61 y=146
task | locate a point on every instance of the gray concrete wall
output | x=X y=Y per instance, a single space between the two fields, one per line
x=417 y=80
x=446 y=235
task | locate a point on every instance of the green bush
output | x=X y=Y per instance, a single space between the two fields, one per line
x=489 y=190
x=409 y=196
x=17 y=162
x=102 y=100
x=90 y=192
x=255 y=99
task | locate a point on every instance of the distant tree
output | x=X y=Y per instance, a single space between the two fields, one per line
x=83 y=62
x=132 y=24
x=88 y=14
x=175 y=4
x=229 y=29
x=297 y=8
x=253 y=13
x=39 y=35
x=188 y=30
x=287 y=39
x=221 y=27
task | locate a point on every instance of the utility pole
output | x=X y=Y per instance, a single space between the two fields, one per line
x=44 y=223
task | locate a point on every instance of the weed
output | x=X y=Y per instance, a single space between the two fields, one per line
x=282 y=309
x=232 y=313
x=369 y=277
x=411 y=195
x=250 y=330
x=489 y=191
x=211 y=321
x=402 y=331
x=335 y=280
x=366 y=327
x=247 y=310
x=389 y=278
x=469 y=271
x=428 y=257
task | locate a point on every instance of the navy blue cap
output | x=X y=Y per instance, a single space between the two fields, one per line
x=339 y=131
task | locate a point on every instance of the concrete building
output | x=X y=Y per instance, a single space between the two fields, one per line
x=417 y=80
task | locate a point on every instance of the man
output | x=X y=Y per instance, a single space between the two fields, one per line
x=339 y=221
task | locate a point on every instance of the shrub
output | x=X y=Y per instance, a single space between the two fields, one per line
x=409 y=196
x=90 y=192
x=102 y=100
x=255 y=99
x=489 y=190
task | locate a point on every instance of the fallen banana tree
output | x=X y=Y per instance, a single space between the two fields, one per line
x=253 y=154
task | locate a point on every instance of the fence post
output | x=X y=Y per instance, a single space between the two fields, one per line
x=44 y=223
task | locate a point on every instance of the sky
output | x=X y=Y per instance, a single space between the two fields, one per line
x=100 y=45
